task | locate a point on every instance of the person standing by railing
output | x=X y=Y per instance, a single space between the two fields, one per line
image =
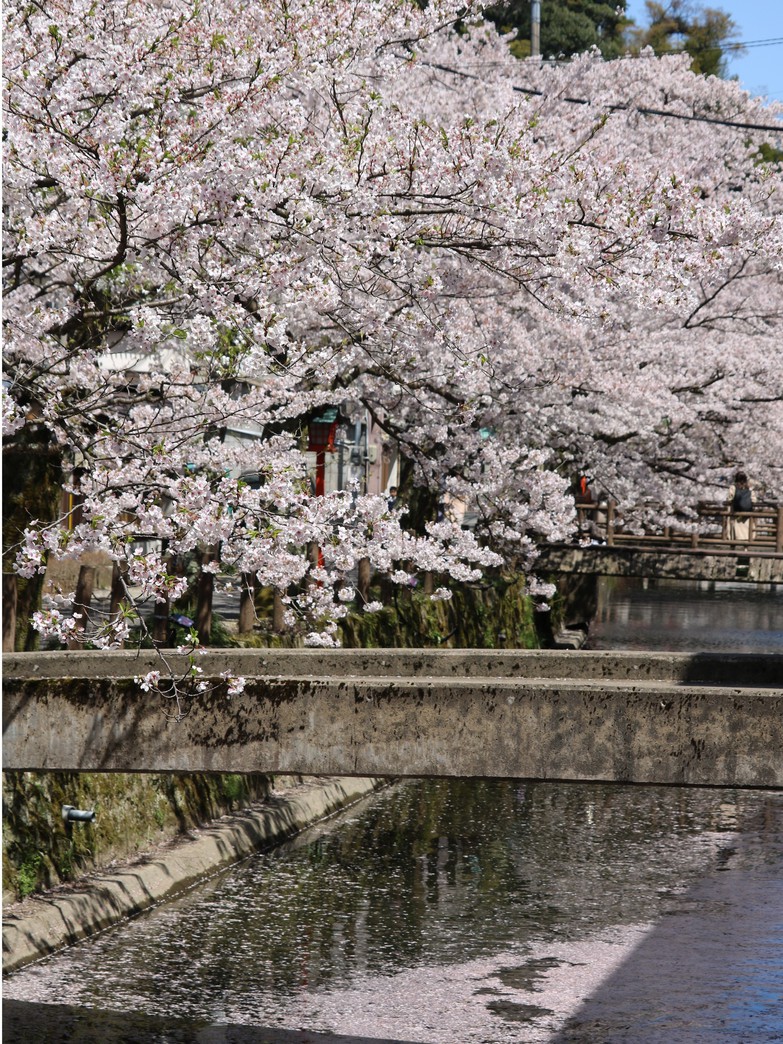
x=584 y=499
x=740 y=504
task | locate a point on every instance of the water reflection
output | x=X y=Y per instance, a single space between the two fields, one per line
x=431 y=874
x=479 y=912
x=685 y=616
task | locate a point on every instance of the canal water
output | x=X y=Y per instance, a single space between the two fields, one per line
x=467 y=912
x=687 y=616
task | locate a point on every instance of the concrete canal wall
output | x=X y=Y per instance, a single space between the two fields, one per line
x=663 y=718
x=135 y=811
x=745 y=565
x=45 y=923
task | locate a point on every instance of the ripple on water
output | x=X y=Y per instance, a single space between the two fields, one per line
x=444 y=910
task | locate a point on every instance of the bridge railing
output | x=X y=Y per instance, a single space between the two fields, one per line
x=765 y=528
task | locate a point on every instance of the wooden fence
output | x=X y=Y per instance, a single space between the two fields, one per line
x=715 y=528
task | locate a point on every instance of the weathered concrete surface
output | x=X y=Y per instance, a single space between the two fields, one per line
x=624 y=721
x=669 y=564
x=39 y=926
x=706 y=668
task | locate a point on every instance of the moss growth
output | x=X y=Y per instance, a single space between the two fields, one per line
x=133 y=812
x=492 y=615
x=233 y=788
x=28 y=874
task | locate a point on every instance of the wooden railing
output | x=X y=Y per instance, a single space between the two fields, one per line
x=765 y=528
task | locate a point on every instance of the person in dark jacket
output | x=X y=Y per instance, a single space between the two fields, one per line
x=740 y=504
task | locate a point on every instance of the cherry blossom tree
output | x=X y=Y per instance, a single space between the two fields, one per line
x=224 y=218
x=671 y=391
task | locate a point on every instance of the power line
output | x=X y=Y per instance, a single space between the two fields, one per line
x=624 y=108
x=661 y=112
x=752 y=43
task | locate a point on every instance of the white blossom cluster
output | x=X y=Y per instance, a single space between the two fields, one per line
x=226 y=216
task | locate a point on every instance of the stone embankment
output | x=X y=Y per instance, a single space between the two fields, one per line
x=41 y=925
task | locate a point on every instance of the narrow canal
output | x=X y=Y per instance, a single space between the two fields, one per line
x=687 y=615
x=476 y=912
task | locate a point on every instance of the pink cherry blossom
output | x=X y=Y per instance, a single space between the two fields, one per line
x=221 y=219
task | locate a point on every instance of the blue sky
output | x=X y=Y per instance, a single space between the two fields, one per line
x=760 y=69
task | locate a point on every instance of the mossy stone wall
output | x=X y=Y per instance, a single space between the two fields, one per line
x=133 y=813
x=494 y=614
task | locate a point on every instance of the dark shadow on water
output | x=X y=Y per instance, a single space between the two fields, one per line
x=25 y=1022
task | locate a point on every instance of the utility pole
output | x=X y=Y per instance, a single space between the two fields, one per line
x=535 y=28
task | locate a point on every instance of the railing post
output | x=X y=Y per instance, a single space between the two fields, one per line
x=779 y=531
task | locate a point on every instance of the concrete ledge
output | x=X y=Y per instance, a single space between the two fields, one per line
x=558 y=729
x=666 y=718
x=44 y=924
x=693 y=668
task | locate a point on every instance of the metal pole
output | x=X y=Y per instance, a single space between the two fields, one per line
x=535 y=28
x=366 y=451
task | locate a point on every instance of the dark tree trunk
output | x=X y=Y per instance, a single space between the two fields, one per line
x=204 y=590
x=363 y=581
x=160 y=619
x=9 y=612
x=247 y=607
x=313 y=554
x=160 y=622
x=118 y=576
x=421 y=503
x=118 y=594
x=32 y=489
x=278 y=610
x=81 y=603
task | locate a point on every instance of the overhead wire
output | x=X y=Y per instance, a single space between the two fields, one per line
x=645 y=111
x=739 y=45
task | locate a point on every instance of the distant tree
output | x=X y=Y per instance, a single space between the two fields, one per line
x=678 y=25
x=568 y=27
